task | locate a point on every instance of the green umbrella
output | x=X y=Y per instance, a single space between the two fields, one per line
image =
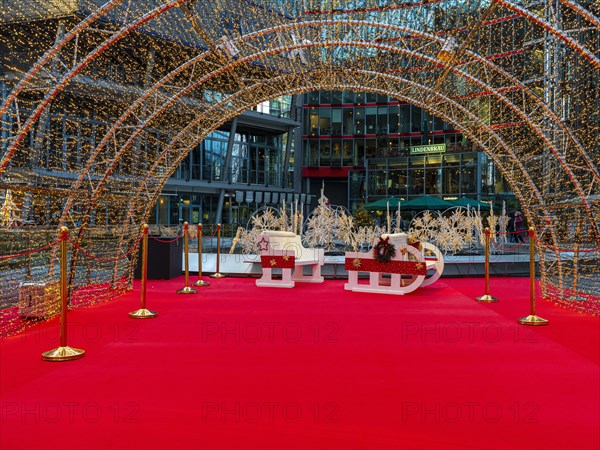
x=382 y=204
x=464 y=201
x=425 y=202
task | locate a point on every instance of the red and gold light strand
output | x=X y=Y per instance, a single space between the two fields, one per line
x=101 y=101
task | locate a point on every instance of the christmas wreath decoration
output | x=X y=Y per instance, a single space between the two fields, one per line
x=384 y=250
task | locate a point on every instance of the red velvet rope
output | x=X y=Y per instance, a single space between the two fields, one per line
x=543 y=244
x=507 y=249
x=30 y=252
x=561 y=250
x=98 y=258
x=166 y=241
x=510 y=232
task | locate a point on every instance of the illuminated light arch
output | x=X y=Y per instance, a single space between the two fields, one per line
x=39 y=65
x=586 y=53
x=74 y=71
x=332 y=83
x=275 y=35
x=488 y=89
x=587 y=15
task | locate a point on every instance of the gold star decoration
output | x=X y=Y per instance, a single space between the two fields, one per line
x=357 y=262
x=273 y=263
x=419 y=265
x=286 y=257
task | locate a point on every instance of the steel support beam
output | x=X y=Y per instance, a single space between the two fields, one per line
x=226 y=169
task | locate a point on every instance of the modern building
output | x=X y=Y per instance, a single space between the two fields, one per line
x=249 y=161
x=247 y=164
x=366 y=146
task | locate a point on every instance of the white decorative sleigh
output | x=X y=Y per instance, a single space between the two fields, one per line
x=412 y=266
x=283 y=250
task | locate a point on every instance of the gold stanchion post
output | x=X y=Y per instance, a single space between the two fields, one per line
x=218 y=273
x=144 y=313
x=532 y=318
x=200 y=281
x=487 y=298
x=186 y=254
x=64 y=352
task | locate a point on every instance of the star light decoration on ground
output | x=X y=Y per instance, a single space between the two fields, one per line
x=154 y=78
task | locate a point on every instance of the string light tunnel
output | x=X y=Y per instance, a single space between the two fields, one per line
x=519 y=78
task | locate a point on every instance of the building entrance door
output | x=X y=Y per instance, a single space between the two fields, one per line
x=189 y=214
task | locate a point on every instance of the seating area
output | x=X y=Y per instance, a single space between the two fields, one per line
x=283 y=250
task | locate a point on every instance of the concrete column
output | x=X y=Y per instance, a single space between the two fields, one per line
x=298 y=150
x=293 y=133
x=286 y=157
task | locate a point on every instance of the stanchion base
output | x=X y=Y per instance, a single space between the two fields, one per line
x=63 y=354
x=217 y=275
x=487 y=299
x=143 y=314
x=201 y=283
x=532 y=320
x=187 y=290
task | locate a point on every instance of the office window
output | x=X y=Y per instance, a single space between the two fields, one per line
x=359 y=152
x=336 y=152
x=371 y=120
x=359 y=121
x=349 y=97
x=325 y=153
x=433 y=181
x=325 y=121
x=371 y=148
x=348 y=121
x=382 y=120
x=312 y=98
x=394 y=116
x=347 y=157
x=451 y=179
x=404 y=118
x=415 y=119
x=416 y=181
x=336 y=121
x=325 y=97
x=313 y=153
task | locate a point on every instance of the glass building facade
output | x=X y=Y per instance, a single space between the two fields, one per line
x=257 y=162
x=372 y=140
x=252 y=154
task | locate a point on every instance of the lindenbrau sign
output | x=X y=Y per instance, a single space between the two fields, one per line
x=431 y=148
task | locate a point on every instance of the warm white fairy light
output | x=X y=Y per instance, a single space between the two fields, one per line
x=117 y=97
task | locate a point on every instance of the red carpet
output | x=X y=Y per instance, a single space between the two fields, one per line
x=237 y=366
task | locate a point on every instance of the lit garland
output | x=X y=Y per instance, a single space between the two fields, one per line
x=116 y=94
